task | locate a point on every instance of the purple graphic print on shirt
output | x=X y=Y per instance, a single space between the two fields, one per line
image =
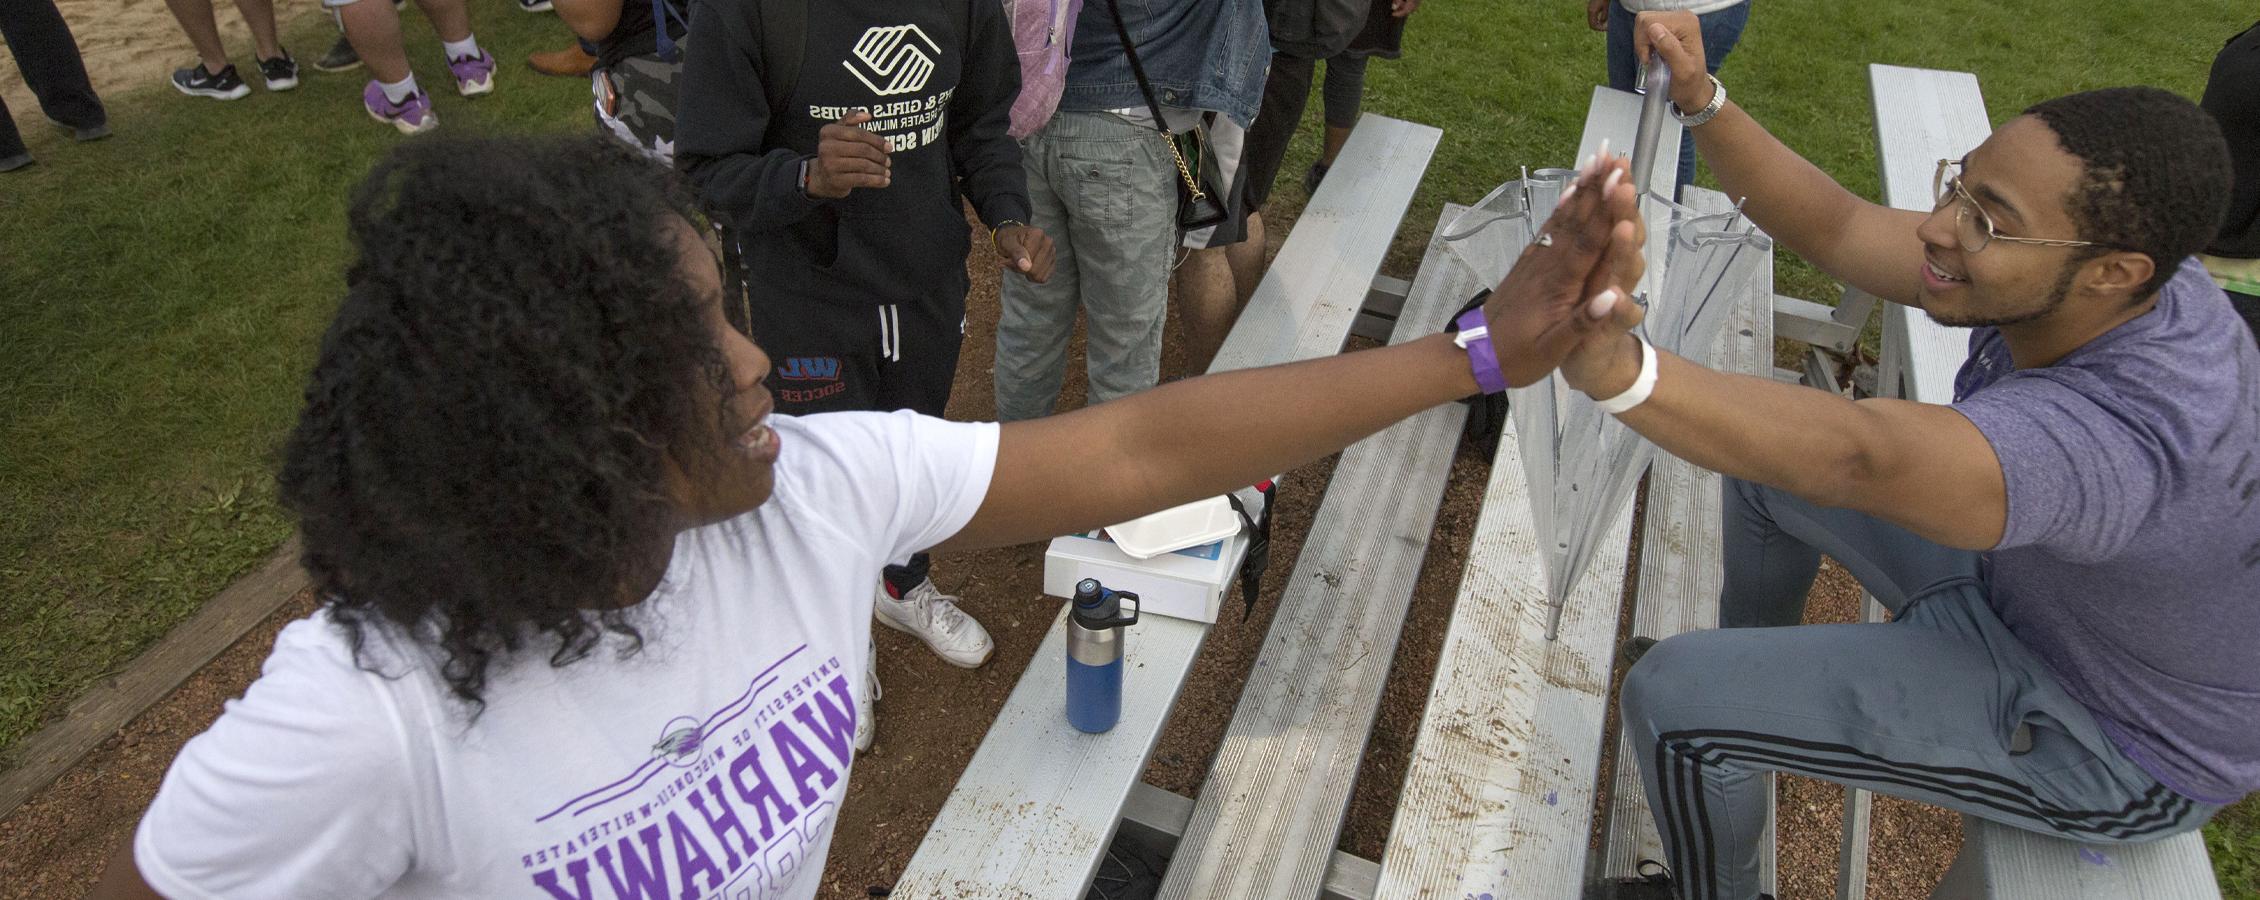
x=728 y=805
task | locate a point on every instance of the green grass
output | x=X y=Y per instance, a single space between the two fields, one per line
x=2234 y=841
x=161 y=292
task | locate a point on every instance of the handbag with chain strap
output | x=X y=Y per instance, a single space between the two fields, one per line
x=1199 y=203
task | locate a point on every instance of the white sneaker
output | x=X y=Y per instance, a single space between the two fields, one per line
x=866 y=703
x=934 y=618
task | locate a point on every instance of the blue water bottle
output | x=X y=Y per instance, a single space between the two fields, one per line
x=1094 y=655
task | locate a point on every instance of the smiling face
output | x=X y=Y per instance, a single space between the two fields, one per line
x=2020 y=178
x=718 y=483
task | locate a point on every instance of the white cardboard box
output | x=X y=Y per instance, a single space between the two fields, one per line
x=1186 y=584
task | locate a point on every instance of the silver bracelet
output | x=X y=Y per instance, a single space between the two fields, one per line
x=1718 y=101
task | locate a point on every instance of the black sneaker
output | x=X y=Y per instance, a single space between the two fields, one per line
x=196 y=82
x=281 y=73
x=12 y=163
x=340 y=58
x=1653 y=883
x=534 y=5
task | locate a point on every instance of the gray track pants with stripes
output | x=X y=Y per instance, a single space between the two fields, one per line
x=1942 y=705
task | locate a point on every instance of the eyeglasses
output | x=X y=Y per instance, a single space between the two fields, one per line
x=1971 y=225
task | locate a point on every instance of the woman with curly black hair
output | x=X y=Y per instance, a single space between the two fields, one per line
x=592 y=620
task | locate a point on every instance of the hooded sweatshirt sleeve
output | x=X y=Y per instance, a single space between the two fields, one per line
x=722 y=118
x=987 y=159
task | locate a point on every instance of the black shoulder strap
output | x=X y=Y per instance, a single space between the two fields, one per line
x=784 y=44
x=1122 y=33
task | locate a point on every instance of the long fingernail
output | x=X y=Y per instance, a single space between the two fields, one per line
x=1604 y=154
x=1566 y=192
x=1611 y=183
x=1599 y=306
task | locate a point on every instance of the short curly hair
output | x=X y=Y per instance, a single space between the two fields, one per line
x=2155 y=174
x=483 y=456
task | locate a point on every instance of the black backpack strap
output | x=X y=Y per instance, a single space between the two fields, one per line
x=1258 y=559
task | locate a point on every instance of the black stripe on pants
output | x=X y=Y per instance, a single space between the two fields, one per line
x=1682 y=755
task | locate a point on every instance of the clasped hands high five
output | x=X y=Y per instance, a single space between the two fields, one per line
x=1567 y=303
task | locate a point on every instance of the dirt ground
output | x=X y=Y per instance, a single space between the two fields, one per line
x=933 y=715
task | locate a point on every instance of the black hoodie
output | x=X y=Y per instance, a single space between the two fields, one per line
x=943 y=100
x=2233 y=97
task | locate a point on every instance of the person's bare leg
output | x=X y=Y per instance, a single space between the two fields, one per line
x=451 y=19
x=374 y=28
x=1246 y=258
x=260 y=15
x=1335 y=137
x=195 y=18
x=1213 y=285
x=1206 y=305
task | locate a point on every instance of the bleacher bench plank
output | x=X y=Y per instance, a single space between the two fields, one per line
x=1999 y=862
x=1498 y=798
x=1316 y=285
x=1680 y=551
x=1921 y=117
x=1032 y=815
x=1270 y=811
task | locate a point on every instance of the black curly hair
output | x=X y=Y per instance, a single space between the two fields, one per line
x=483 y=457
x=2155 y=174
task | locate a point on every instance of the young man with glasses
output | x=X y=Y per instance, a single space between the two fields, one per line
x=2070 y=550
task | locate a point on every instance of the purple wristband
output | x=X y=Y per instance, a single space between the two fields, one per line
x=1475 y=337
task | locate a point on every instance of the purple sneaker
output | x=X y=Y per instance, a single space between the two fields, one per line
x=410 y=116
x=473 y=75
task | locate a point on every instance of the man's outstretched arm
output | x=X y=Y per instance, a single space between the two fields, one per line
x=1866 y=245
x=1921 y=466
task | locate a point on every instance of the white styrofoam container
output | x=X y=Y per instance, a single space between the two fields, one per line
x=1187 y=583
x=1176 y=528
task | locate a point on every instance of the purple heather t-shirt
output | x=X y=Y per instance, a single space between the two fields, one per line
x=2131 y=560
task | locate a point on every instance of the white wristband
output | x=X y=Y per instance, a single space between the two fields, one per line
x=1641 y=387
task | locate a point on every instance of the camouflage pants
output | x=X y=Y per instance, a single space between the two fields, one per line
x=635 y=102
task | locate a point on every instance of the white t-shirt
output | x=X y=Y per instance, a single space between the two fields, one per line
x=712 y=763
